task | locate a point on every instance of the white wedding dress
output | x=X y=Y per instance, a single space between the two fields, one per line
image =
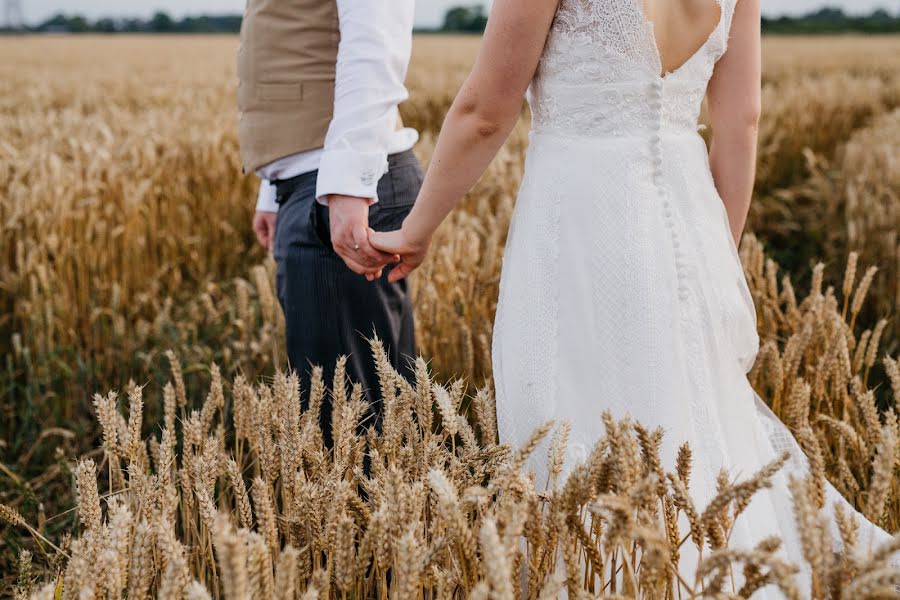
x=622 y=289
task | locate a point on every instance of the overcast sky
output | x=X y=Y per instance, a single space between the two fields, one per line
x=428 y=12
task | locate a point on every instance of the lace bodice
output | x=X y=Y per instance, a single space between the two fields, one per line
x=600 y=72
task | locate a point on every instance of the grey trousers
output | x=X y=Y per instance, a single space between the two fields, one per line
x=329 y=310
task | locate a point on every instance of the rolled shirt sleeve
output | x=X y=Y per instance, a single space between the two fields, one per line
x=373 y=58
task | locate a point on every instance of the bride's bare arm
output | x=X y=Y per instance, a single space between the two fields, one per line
x=479 y=121
x=734 y=106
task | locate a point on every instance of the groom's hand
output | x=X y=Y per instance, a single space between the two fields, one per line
x=349 y=218
x=264 y=228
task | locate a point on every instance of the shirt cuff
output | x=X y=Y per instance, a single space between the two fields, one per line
x=350 y=173
x=265 y=202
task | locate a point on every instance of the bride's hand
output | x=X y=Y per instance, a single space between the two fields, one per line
x=411 y=251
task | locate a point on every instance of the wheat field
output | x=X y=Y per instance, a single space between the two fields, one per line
x=127 y=263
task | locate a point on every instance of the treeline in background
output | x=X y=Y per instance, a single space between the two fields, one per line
x=459 y=19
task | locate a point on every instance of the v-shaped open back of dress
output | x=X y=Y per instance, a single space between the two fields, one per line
x=680 y=29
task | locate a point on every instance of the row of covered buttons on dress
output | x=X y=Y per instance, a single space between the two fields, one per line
x=656 y=100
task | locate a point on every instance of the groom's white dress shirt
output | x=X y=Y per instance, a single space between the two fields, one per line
x=373 y=57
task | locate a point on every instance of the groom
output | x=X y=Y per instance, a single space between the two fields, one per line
x=319 y=85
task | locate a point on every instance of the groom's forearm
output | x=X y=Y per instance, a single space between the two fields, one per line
x=372 y=61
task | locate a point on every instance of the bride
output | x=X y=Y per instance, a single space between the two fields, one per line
x=622 y=289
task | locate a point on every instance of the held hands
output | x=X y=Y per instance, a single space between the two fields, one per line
x=349 y=218
x=409 y=250
x=365 y=251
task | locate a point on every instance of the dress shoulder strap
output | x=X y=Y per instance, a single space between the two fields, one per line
x=720 y=42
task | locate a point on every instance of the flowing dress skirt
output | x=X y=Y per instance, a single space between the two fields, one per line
x=622 y=291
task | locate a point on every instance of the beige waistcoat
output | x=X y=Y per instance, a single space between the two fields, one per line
x=286 y=65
